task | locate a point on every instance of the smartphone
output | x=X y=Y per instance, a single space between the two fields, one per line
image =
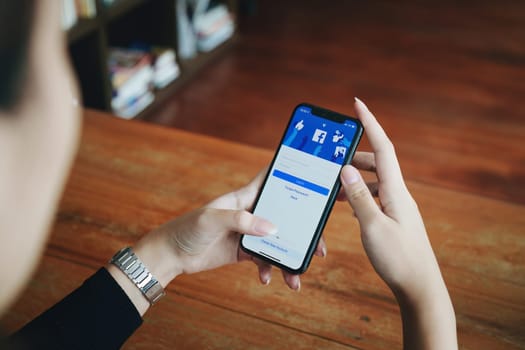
x=302 y=184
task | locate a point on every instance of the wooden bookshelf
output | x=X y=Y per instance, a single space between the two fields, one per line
x=82 y=28
x=120 y=24
x=189 y=68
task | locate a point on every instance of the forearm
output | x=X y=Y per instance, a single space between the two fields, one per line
x=429 y=322
x=131 y=290
x=97 y=315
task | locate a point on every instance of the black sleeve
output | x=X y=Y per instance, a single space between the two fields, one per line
x=98 y=315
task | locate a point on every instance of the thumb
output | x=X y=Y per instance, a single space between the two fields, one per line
x=359 y=195
x=244 y=222
x=202 y=227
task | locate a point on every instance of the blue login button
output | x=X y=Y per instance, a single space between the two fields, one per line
x=303 y=183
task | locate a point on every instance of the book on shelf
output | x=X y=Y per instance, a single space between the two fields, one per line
x=72 y=10
x=202 y=26
x=108 y=3
x=213 y=27
x=69 y=14
x=131 y=76
x=136 y=106
x=123 y=63
x=136 y=73
x=187 y=41
x=137 y=85
x=165 y=66
x=86 y=8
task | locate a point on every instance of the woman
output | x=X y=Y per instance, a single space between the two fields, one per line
x=39 y=131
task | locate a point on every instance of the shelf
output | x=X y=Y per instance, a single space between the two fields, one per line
x=189 y=68
x=120 y=8
x=124 y=23
x=106 y=14
x=82 y=28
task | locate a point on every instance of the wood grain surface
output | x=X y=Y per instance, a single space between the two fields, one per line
x=131 y=176
x=445 y=78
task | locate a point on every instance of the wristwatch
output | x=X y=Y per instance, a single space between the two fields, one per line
x=132 y=267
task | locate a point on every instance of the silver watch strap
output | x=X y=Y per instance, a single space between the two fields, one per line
x=132 y=267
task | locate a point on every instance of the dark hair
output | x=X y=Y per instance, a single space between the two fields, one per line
x=16 y=22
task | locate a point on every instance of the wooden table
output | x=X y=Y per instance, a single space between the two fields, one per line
x=130 y=177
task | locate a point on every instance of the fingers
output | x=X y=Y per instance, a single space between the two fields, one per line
x=364 y=161
x=359 y=196
x=321 y=248
x=238 y=221
x=293 y=281
x=387 y=166
x=265 y=274
x=265 y=271
x=373 y=187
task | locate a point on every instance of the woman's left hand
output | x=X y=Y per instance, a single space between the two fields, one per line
x=209 y=237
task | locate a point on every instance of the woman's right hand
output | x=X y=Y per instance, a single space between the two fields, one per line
x=395 y=240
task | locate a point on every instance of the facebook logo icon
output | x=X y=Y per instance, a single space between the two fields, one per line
x=319 y=136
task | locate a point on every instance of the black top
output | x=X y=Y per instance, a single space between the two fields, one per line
x=98 y=315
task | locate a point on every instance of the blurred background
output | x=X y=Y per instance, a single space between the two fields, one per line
x=445 y=78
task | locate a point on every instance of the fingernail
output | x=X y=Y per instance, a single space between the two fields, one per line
x=324 y=252
x=265 y=227
x=267 y=280
x=349 y=175
x=360 y=102
x=298 y=287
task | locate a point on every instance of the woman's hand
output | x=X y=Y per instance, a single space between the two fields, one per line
x=243 y=199
x=396 y=242
x=393 y=232
x=209 y=237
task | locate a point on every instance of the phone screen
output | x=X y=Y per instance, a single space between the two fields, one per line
x=301 y=185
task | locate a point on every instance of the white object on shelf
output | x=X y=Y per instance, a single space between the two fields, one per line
x=165 y=75
x=200 y=7
x=137 y=106
x=213 y=27
x=212 y=41
x=69 y=14
x=137 y=85
x=166 y=57
x=165 y=66
x=187 y=41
